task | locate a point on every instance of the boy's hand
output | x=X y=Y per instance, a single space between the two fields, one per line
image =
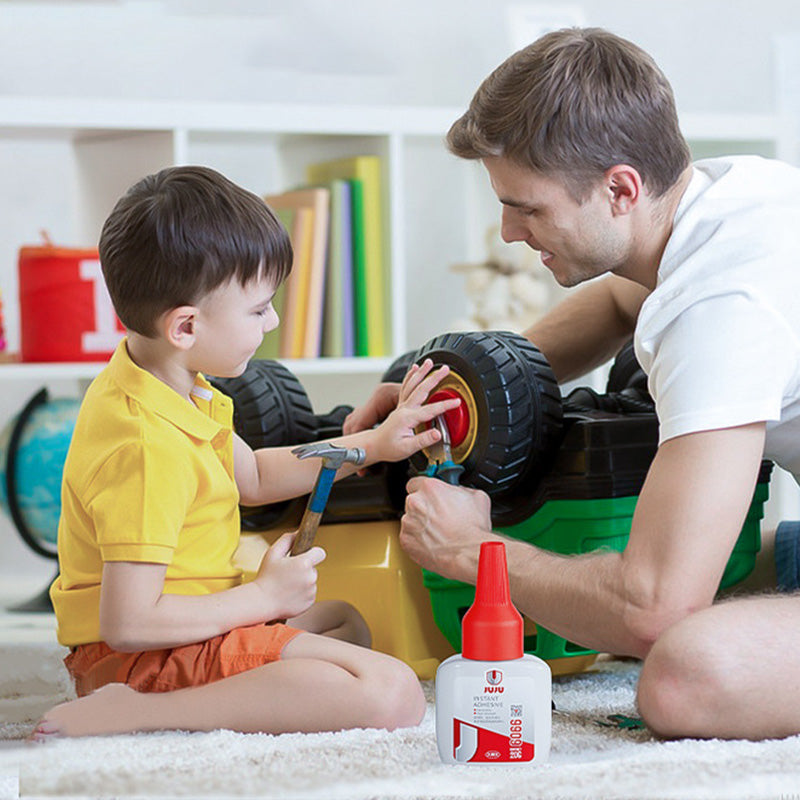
x=380 y=404
x=288 y=583
x=395 y=437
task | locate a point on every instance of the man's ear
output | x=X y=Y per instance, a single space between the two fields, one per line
x=178 y=326
x=623 y=183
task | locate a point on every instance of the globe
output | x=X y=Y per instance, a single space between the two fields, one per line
x=33 y=446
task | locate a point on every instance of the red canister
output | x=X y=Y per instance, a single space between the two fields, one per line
x=65 y=310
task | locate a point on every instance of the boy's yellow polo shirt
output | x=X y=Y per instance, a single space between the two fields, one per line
x=148 y=477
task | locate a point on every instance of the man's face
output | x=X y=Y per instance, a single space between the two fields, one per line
x=230 y=326
x=577 y=241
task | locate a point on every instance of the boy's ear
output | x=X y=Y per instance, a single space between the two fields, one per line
x=178 y=326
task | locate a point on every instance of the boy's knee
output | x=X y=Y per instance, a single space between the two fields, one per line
x=396 y=699
x=683 y=684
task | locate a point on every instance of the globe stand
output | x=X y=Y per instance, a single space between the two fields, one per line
x=38 y=604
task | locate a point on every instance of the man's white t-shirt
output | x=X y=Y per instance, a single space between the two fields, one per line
x=719 y=336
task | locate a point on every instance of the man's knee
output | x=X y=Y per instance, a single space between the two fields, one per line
x=684 y=683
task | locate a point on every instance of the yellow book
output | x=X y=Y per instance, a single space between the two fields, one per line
x=367 y=170
x=306 y=289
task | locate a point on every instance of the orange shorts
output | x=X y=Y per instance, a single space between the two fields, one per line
x=94 y=665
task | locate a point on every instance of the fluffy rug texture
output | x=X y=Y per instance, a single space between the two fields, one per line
x=588 y=759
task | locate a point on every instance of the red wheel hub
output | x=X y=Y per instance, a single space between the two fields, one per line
x=457 y=418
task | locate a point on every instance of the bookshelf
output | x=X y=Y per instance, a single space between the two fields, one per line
x=65 y=162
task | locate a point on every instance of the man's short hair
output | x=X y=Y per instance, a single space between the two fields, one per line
x=573 y=104
x=177 y=235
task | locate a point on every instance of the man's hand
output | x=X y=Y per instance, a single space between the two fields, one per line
x=396 y=438
x=380 y=404
x=443 y=527
x=288 y=583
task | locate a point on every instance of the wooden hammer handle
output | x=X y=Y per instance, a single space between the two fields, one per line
x=306 y=532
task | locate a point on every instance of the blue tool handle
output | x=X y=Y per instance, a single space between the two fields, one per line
x=448 y=471
x=322 y=488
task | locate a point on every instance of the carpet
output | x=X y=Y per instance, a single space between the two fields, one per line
x=589 y=758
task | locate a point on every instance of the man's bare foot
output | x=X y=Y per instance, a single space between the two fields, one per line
x=114 y=708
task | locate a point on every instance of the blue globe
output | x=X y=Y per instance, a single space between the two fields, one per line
x=39 y=456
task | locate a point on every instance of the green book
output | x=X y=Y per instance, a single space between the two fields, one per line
x=360 y=297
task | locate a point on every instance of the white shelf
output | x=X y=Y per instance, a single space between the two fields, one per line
x=98 y=114
x=88 y=370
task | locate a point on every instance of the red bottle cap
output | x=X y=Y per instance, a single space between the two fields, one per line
x=492 y=628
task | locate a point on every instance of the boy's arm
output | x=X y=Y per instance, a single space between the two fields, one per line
x=136 y=614
x=272 y=474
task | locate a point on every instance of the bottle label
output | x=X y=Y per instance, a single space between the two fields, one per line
x=500 y=725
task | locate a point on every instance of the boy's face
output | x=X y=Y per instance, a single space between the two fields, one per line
x=230 y=325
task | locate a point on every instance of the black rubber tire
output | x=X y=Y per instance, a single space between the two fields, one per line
x=270 y=409
x=396 y=371
x=270 y=406
x=626 y=372
x=518 y=404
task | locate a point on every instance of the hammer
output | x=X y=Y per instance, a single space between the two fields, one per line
x=333 y=456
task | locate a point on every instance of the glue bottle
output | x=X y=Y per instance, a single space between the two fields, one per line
x=493 y=702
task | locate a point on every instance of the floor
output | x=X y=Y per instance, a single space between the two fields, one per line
x=21 y=627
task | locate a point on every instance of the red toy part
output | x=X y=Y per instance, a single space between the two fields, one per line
x=65 y=311
x=457 y=418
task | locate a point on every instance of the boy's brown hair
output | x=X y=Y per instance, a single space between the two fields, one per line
x=573 y=104
x=179 y=234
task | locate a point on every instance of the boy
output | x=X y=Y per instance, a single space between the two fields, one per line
x=161 y=630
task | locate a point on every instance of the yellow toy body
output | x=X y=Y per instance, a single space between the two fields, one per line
x=366 y=567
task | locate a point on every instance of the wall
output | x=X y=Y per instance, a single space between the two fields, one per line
x=717 y=53
x=362 y=51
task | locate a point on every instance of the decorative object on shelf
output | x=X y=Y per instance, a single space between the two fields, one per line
x=2 y=326
x=5 y=356
x=510 y=290
x=33 y=449
x=65 y=311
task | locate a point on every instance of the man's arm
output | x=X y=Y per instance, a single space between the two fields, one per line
x=589 y=327
x=688 y=516
x=582 y=332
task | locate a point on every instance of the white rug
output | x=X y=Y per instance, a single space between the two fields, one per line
x=588 y=760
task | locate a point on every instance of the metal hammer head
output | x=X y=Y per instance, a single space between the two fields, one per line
x=332 y=455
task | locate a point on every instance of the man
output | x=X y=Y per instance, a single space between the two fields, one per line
x=580 y=138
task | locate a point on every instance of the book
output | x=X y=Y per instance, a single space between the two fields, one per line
x=375 y=315
x=270 y=347
x=294 y=344
x=305 y=290
x=359 y=250
x=338 y=334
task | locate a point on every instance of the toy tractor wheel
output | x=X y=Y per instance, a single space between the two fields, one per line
x=508 y=426
x=396 y=371
x=626 y=372
x=270 y=409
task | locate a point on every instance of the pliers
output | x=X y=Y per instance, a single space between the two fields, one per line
x=443 y=468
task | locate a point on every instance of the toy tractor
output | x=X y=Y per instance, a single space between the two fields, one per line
x=563 y=474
